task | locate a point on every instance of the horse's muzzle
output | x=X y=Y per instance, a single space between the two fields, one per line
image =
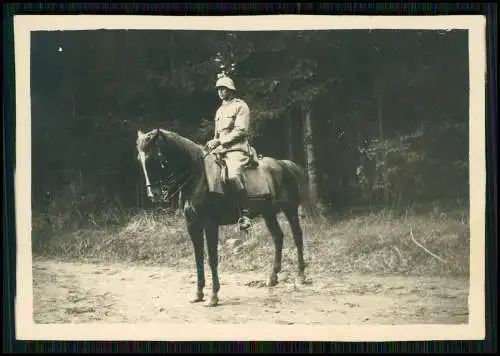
x=157 y=194
x=153 y=194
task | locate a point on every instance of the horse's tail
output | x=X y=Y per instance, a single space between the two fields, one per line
x=300 y=177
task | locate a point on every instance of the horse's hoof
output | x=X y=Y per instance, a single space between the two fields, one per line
x=214 y=301
x=301 y=279
x=197 y=299
x=273 y=280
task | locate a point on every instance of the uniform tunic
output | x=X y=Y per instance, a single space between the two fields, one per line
x=232 y=121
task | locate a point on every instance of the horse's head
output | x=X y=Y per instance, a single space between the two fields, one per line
x=166 y=159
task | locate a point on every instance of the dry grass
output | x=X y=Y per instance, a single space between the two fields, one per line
x=372 y=243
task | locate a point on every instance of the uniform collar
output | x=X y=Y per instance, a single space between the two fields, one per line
x=228 y=101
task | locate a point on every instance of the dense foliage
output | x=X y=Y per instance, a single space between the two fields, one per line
x=389 y=109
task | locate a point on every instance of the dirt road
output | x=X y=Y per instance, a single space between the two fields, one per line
x=67 y=292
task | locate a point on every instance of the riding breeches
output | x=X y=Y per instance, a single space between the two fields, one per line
x=235 y=162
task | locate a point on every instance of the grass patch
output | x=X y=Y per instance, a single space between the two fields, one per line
x=385 y=243
x=378 y=242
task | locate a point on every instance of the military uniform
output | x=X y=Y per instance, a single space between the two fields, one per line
x=232 y=121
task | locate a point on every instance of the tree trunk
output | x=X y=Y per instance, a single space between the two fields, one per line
x=380 y=115
x=383 y=153
x=73 y=103
x=309 y=155
x=290 y=135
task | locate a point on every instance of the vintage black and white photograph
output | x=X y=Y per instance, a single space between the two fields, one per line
x=242 y=177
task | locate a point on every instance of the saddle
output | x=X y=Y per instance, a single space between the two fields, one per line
x=255 y=180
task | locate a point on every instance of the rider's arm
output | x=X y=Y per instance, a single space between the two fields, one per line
x=216 y=129
x=214 y=142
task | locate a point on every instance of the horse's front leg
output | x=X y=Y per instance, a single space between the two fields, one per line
x=195 y=231
x=212 y=235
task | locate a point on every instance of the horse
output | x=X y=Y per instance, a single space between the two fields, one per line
x=180 y=167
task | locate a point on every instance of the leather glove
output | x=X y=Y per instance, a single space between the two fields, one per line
x=212 y=144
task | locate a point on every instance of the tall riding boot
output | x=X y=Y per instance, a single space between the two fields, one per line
x=243 y=207
x=244 y=220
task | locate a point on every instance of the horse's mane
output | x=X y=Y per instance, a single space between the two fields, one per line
x=191 y=148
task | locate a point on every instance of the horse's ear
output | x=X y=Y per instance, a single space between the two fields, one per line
x=140 y=133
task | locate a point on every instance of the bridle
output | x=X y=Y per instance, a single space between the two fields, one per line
x=180 y=180
x=175 y=181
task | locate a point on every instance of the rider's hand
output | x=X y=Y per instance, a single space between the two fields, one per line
x=212 y=144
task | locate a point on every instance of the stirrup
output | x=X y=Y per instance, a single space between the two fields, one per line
x=244 y=223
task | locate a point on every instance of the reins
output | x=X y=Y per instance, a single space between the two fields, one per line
x=182 y=179
x=179 y=181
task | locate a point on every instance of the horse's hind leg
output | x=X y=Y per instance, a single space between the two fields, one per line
x=212 y=234
x=196 y=233
x=292 y=215
x=277 y=234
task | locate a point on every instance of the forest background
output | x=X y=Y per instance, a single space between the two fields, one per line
x=378 y=118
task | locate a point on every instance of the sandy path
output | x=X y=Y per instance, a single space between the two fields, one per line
x=67 y=292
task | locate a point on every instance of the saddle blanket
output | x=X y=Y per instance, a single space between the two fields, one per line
x=254 y=179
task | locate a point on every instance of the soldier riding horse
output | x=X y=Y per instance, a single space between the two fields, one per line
x=174 y=164
x=232 y=121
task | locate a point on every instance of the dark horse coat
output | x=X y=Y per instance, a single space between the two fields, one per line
x=172 y=163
